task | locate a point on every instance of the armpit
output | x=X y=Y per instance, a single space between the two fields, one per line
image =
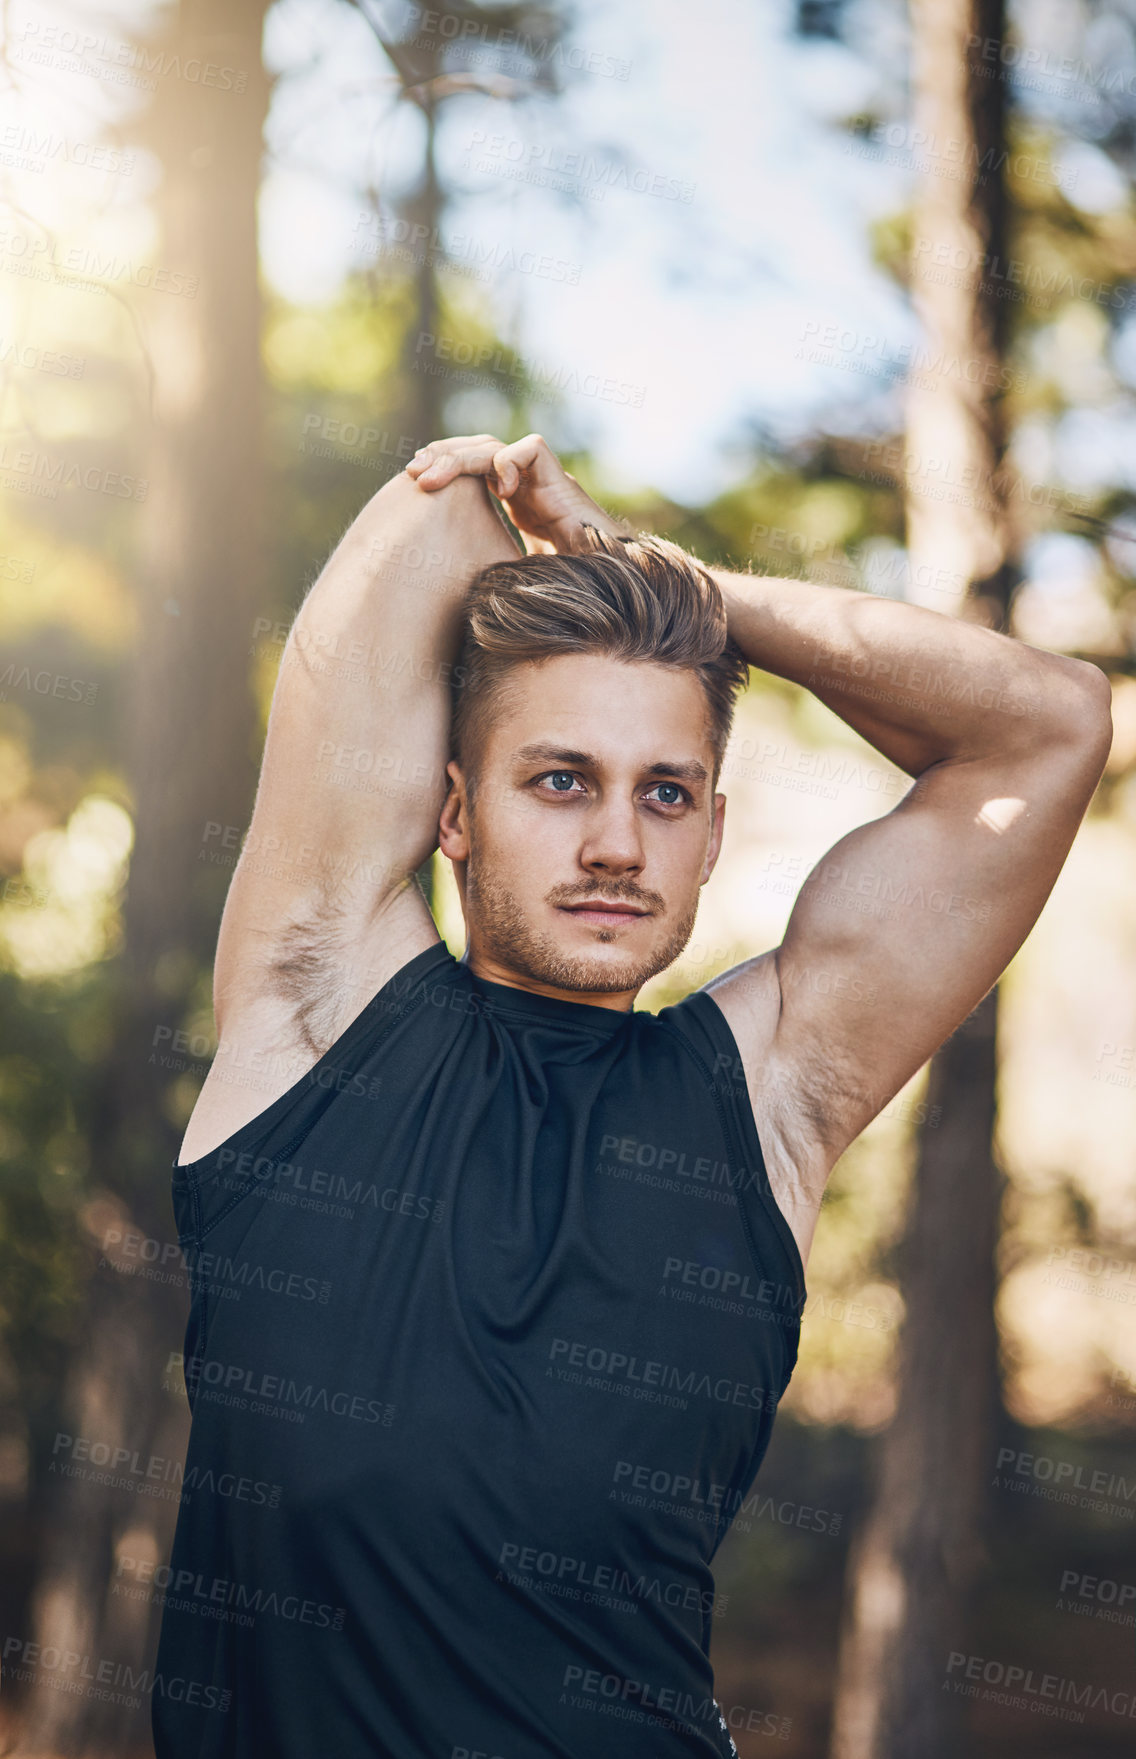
x=316 y=970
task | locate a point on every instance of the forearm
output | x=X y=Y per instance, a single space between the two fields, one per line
x=396 y=582
x=358 y=733
x=917 y=685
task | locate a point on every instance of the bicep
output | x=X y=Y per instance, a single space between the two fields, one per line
x=904 y=926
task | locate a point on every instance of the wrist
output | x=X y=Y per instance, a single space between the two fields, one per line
x=568 y=531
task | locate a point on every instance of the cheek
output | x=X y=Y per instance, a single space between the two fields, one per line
x=509 y=839
x=680 y=851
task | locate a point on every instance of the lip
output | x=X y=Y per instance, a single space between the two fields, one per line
x=603 y=914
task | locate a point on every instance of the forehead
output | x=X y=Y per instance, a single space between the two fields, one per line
x=623 y=710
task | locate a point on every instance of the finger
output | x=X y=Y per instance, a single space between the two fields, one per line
x=535 y=457
x=422 y=459
x=507 y=472
x=441 y=461
x=531 y=457
x=443 y=468
x=453 y=442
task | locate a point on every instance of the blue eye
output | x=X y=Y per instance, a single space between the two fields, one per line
x=678 y=794
x=557 y=776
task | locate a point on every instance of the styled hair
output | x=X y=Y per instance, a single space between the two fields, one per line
x=634 y=598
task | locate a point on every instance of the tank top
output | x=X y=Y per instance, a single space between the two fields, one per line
x=490 y=1316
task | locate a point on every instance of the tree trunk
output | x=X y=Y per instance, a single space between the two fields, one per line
x=919 y=1553
x=190 y=729
x=426 y=391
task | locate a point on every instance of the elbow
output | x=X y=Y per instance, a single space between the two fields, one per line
x=460 y=489
x=1094 y=712
x=1083 y=721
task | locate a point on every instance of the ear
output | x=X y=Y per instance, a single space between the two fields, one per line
x=714 y=847
x=453 y=820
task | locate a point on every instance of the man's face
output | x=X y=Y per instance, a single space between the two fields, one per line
x=593 y=789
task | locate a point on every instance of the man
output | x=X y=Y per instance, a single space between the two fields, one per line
x=497 y=1279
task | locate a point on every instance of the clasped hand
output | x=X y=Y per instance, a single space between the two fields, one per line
x=544 y=502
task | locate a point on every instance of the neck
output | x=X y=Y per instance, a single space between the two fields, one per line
x=491 y=970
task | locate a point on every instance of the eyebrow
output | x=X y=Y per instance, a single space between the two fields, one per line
x=688 y=770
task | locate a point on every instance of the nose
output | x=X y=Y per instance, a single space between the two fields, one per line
x=613 y=841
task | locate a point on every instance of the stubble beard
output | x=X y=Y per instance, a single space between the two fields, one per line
x=506 y=935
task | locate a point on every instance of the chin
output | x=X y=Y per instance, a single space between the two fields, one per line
x=602 y=967
x=542 y=945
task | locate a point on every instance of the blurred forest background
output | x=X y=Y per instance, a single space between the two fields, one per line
x=830 y=289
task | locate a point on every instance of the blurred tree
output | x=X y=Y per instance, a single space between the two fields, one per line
x=920 y=1549
x=428 y=71
x=190 y=726
x=202 y=585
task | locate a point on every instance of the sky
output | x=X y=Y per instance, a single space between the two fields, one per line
x=684 y=316
x=688 y=303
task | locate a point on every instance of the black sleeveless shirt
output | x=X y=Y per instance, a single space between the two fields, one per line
x=491 y=1313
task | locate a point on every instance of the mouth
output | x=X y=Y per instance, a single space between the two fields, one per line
x=604 y=915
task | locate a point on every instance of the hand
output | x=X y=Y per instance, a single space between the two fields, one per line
x=544 y=502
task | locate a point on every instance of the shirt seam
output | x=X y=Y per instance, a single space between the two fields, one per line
x=731 y=1130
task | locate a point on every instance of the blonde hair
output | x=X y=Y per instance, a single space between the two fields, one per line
x=634 y=598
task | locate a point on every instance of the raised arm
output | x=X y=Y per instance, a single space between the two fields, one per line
x=322 y=907
x=908 y=921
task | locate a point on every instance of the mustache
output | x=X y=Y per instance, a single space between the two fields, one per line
x=613 y=893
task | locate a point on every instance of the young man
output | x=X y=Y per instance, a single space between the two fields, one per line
x=497 y=1280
